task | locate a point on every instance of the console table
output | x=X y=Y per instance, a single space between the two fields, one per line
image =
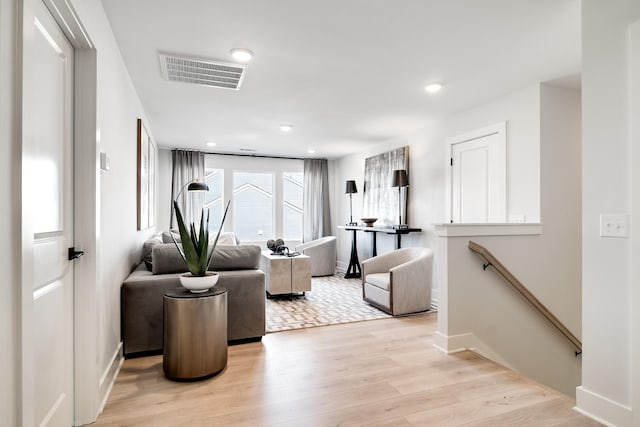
x=353 y=270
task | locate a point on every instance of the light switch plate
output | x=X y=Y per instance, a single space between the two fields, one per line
x=104 y=162
x=614 y=225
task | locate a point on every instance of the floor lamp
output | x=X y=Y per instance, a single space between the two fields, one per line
x=400 y=180
x=350 y=190
x=192 y=186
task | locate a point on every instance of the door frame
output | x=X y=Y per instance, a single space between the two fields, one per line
x=499 y=129
x=86 y=381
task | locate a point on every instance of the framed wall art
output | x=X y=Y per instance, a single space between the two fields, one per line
x=146 y=178
x=380 y=199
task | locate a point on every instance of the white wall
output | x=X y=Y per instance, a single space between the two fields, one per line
x=428 y=164
x=478 y=310
x=521 y=110
x=560 y=193
x=118 y=108
x=9 y=217
x=484 y=313
x=608 y=287
x=119 y=242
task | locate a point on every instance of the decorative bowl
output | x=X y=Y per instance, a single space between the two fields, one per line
x=369 y=221
x=197 y=284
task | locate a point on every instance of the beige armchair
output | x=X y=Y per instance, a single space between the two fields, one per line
x=399 y=282
x=323 y=255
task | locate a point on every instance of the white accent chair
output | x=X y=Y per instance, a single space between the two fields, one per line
x=399 y=282
x=322 y=252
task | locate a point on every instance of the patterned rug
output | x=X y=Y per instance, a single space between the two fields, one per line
x=331 y=301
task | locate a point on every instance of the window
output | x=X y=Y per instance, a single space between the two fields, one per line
x=265 y=193
x=213 y=199
x=292 y=205
x=253 y=205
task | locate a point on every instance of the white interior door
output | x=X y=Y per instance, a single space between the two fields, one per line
x=478 y=176
x=47 y=214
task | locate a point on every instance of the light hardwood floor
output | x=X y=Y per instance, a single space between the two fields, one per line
x=374 y=373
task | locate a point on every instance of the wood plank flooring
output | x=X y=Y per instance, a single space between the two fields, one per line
x=374 y=373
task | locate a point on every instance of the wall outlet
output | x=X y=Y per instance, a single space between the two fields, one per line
x=614 y=225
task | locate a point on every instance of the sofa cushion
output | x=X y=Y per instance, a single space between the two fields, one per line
x=167 y=259
x=380 y=280
x=166 y=236
x=147 y=248
x=228 y=238
x=236 y=257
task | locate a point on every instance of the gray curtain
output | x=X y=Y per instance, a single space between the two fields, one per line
x=315 y=214
x=187 y=167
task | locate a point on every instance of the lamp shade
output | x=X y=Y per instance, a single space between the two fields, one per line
x=198 y=186
x=351 y=187
x=399 y=178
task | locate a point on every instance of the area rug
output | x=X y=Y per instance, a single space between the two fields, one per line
x=331 y=301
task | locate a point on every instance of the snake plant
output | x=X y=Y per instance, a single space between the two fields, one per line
x=196 y=251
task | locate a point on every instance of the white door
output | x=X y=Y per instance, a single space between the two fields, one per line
x=478 y=176
x=47 y=215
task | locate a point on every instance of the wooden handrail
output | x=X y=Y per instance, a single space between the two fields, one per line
x=518 y=286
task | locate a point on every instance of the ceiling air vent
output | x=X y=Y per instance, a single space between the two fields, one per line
x=202 y=71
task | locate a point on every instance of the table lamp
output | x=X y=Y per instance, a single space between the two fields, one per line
x=350 y=190
x=400 y=179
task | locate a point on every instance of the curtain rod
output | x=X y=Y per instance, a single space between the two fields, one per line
x=248 y=155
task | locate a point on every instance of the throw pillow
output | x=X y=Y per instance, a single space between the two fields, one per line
x=166 y=236
x=147 y=249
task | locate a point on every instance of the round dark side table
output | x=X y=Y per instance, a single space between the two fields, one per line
x=195 y=333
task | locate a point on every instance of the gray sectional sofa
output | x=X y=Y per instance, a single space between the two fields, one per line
x=142 y=294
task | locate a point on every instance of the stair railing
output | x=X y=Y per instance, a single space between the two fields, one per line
x=492 y=261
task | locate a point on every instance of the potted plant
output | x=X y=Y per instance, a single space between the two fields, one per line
x=196 y=251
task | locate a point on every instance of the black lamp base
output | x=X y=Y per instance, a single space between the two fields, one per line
x=352 y=223
x=401 y=226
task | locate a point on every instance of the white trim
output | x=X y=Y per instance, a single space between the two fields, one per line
x=503 y=229
x=87 y=220
x=109 y=376
x=501 y=130
x=434 y=299
x=341 y=266
x=601 y=409
x=53 y=409
x=454 y=343
x=634 y=180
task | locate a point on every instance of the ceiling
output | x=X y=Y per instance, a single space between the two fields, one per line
x=345 y=73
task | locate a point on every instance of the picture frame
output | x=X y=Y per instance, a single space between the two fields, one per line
x=380 y=200
x=146 y=178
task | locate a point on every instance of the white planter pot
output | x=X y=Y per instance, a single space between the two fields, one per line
x=198 y=284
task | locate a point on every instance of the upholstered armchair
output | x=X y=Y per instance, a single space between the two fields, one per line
x=399 y=282
x=323 y=255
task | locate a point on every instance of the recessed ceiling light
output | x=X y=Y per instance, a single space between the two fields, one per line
x=433 y=87
x=286 y=127
x=311 y=151
x=241 y=54
x=211 y=143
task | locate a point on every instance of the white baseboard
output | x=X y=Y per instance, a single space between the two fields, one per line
x=601 y=409
x=341 y=267
x=108 y=377
x=454 y=343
